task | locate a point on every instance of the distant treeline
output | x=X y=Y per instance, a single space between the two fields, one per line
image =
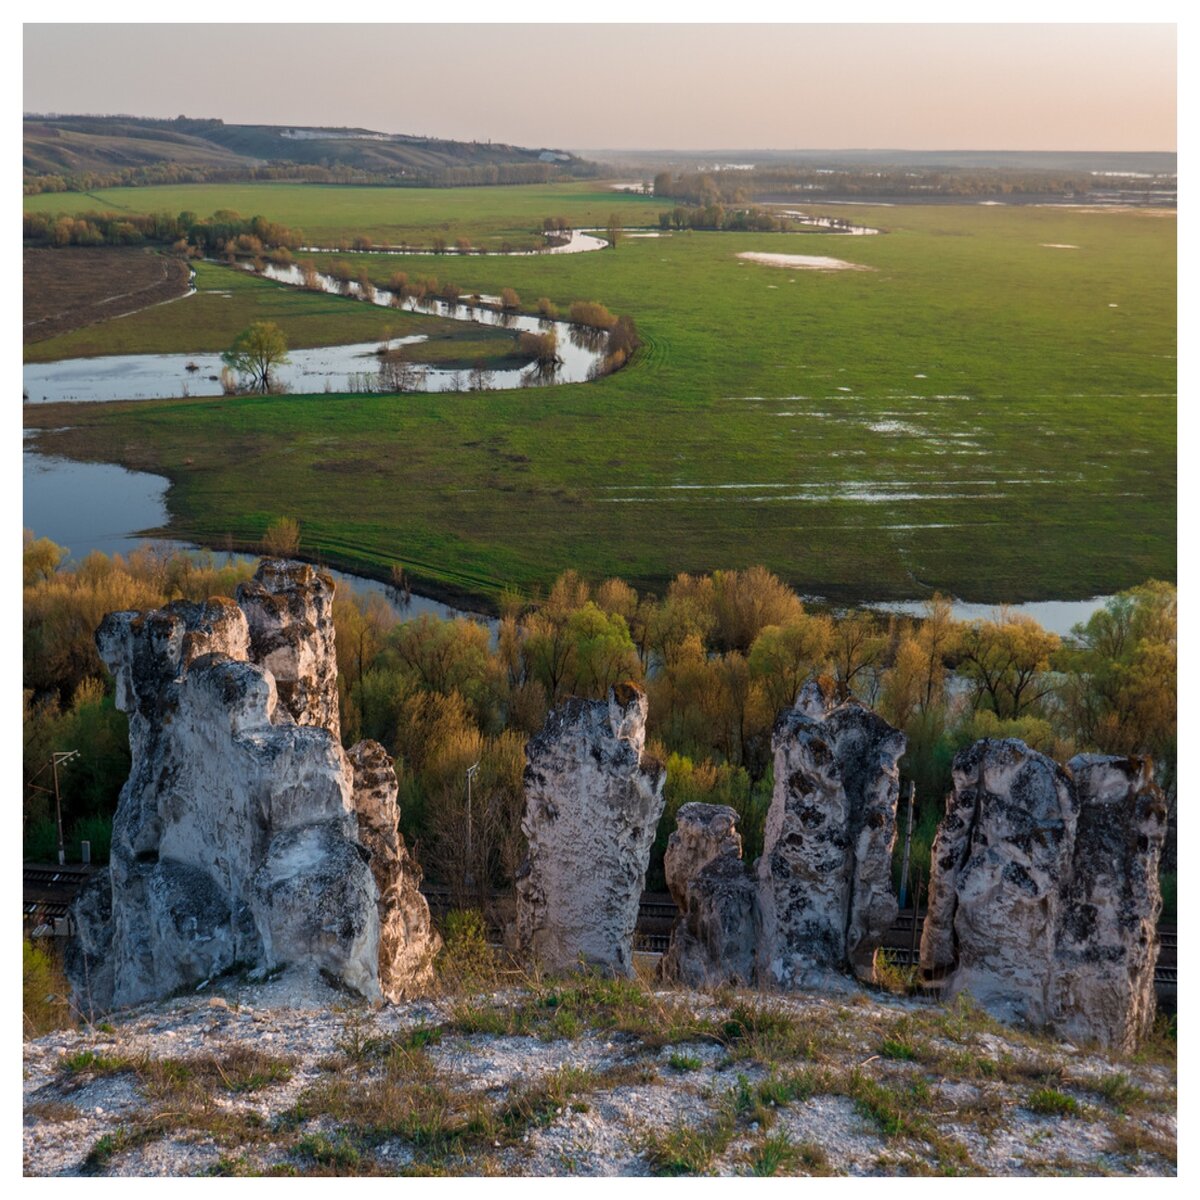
x=481 y=175
x=224 y=232
x=707 y=188
x=745 y=218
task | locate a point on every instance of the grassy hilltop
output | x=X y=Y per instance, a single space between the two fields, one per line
x=982 y=412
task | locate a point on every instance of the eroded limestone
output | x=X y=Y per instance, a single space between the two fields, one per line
x=825 y=873
x=593 y=800
x=1044 y=890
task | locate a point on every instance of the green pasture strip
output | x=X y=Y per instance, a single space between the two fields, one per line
x=327 y=212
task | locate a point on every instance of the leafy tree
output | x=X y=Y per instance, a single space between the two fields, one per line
x=1007 y=661
x=1121 y=675
x=256 y=353
x=783 y=657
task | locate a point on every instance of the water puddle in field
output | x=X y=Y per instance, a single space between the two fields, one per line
x=802 y=262
x=829 y=224
x=356 y=367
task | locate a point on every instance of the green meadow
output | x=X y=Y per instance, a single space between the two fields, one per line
x=488 y=216
x=227 y=300
x=981 y=412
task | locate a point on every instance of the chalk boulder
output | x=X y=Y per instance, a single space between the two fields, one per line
x=714 y=940
x=702 y=832
x=289 y=613
x=825 y=874
x=1107 y=937
x=408 y=942
x=1044 y=891
x=592 y=804
x=236 y=838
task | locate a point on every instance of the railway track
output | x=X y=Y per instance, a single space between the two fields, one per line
x=49 y=890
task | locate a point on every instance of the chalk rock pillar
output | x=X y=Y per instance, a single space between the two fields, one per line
x=289 y=611
x=825 y=874
x=235 y=838
x=702 y=832
x=1001 y=859
x=714 y=940
x=592 y=804
x=408 y=942
x=1107 y=939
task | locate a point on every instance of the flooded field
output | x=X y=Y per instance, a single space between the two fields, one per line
x=349 y=368
x=101 y=506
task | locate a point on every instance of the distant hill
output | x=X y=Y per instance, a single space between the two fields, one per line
x=85 y=152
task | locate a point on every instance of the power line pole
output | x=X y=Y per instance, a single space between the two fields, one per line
x=471 y=771
x=57 y=759
x=912 y=792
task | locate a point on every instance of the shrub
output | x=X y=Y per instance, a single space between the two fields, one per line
x=44 y=992
x=282 y=537
x=592 y=314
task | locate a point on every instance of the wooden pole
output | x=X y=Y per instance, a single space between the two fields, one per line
x=912 y=791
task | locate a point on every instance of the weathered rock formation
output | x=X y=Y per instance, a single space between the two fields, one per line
x=825 y=887
x=1000 y=857
x=407 y=939
x=592 y=803
x=702 y=832
x=236 y=837
x=714 y=940
x=1044 y=890
x=289 y=611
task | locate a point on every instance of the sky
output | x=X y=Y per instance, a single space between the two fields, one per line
x=578 y=86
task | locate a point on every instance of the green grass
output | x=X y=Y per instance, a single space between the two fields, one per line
x=487 y=215
x=227 y=300
x=1033 y=460
x=1050 y=1102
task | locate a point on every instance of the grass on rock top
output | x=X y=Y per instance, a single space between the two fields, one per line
x=980 y=414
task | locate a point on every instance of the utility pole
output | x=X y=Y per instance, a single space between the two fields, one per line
x=57 y=759
x=471 y=771
x=912 y=792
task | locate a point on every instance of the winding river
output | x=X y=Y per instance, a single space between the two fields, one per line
x=351 y=368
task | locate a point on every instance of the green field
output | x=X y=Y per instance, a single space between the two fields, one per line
x=980 y=413
x=227 y=300
x=486 y=215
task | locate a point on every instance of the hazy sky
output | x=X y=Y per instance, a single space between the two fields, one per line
x=995 y=87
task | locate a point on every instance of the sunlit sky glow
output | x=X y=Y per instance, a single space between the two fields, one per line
x=995 y=87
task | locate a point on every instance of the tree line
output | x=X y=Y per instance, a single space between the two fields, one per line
x=225 y=232
x=719 y=655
